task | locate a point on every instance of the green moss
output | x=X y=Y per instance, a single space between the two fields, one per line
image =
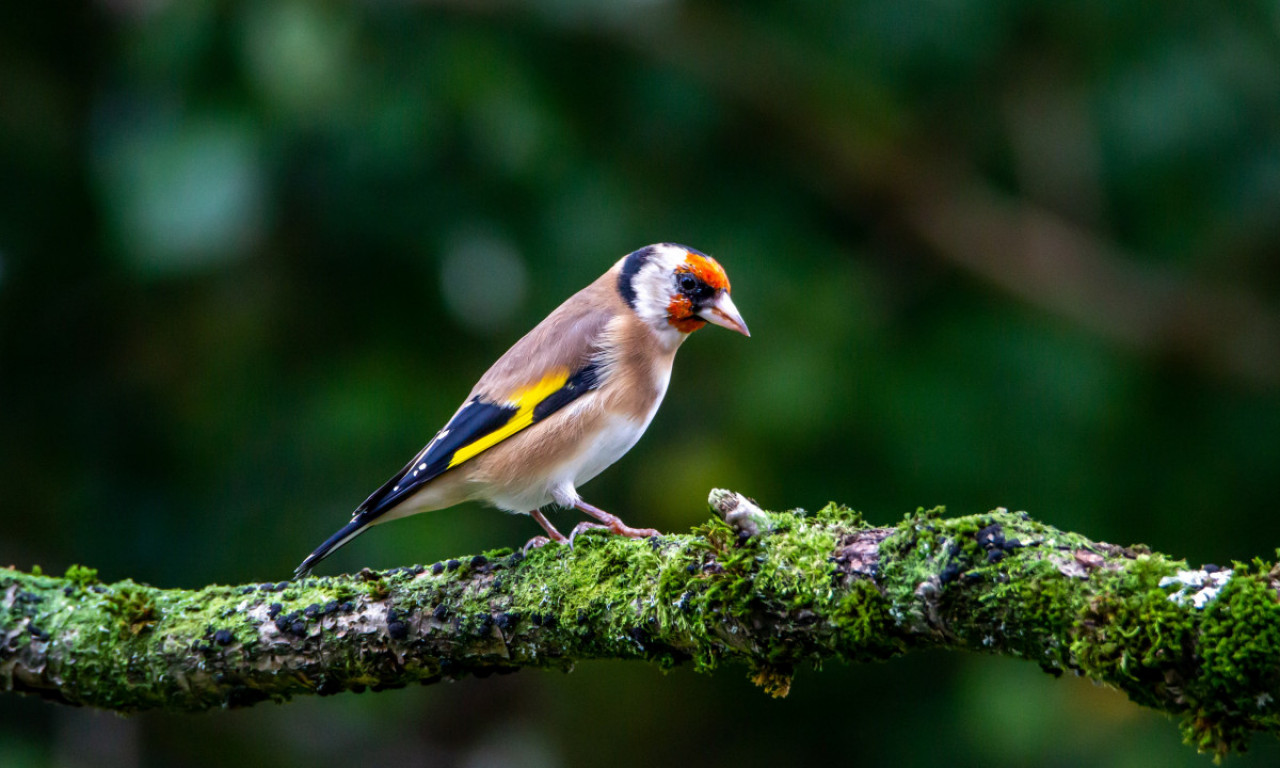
x=81 y=576
x=1239 y=648
x=864 y=624
x=132 y=605
x=838 y=513
x=1130 y=632
x=799 y=591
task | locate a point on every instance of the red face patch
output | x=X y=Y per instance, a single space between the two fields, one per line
x=680 y=312
x=680 y=315
x=707 y=269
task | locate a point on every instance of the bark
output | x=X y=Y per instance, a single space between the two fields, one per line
x=768 y=590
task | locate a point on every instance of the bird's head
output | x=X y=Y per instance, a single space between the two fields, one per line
x=677 y=290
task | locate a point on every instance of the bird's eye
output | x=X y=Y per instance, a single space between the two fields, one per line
x=688 y=283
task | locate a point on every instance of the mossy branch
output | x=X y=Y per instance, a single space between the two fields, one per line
x=771 y=590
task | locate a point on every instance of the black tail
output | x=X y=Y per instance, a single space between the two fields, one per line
x=344 y=534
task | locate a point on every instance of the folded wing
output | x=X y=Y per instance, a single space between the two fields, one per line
x=505 y=401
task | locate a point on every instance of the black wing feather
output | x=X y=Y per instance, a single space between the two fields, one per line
x=473 y=421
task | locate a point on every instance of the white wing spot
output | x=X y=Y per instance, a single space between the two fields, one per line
x=421 y=466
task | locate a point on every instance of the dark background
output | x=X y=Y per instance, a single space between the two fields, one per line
x=252 y=255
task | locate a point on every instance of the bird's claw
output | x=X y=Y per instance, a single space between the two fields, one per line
x=585 y=525
x=618 y=528
x=535 y=543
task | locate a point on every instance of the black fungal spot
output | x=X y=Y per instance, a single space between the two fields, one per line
x=348 y=607
x=38 y=633
x=244 y=697
x=398 y=630
x=950 y=573
x=286 y=622
x=437 y=568
x=505 y=621
x=247 y=590
x=274 y=610
x=417 y=569
x=67 y=590
x=329 y=607
x=311 y=611
x=479 y=561
x=1210 y=568
x=536 y=618
x=549 y=621
x=440 y=613
x=691 y=568
x=991 y=537
x=223 y=637
x=485 y=620
x=298 y=628
x=328 y=686
x=515 y=558
x=282 y=586
x=995 y=555
x=453 y=565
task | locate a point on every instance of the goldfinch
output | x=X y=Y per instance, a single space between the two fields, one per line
x=568 y=400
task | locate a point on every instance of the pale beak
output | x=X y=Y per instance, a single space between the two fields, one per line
x=723 y=313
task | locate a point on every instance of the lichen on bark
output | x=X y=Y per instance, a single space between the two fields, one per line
x=769 y=590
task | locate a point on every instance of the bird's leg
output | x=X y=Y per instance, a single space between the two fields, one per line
x=538 y=541
x=612 y=522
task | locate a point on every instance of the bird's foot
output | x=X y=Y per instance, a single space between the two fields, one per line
x=535 y=543
x=616 y=526
x=585 y=525
x=614 y=523
x=634 y=533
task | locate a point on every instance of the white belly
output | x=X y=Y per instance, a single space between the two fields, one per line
x=609 y=446
x=561 y=484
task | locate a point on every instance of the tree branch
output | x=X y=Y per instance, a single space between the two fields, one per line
x=771 y=590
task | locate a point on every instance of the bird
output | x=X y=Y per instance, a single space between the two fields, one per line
x=564 y=402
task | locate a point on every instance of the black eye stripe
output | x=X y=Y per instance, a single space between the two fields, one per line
x=693 y=288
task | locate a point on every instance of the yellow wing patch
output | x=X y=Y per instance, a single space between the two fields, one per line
x=524 y=400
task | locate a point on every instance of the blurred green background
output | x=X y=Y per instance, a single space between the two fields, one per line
x=252 y=255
